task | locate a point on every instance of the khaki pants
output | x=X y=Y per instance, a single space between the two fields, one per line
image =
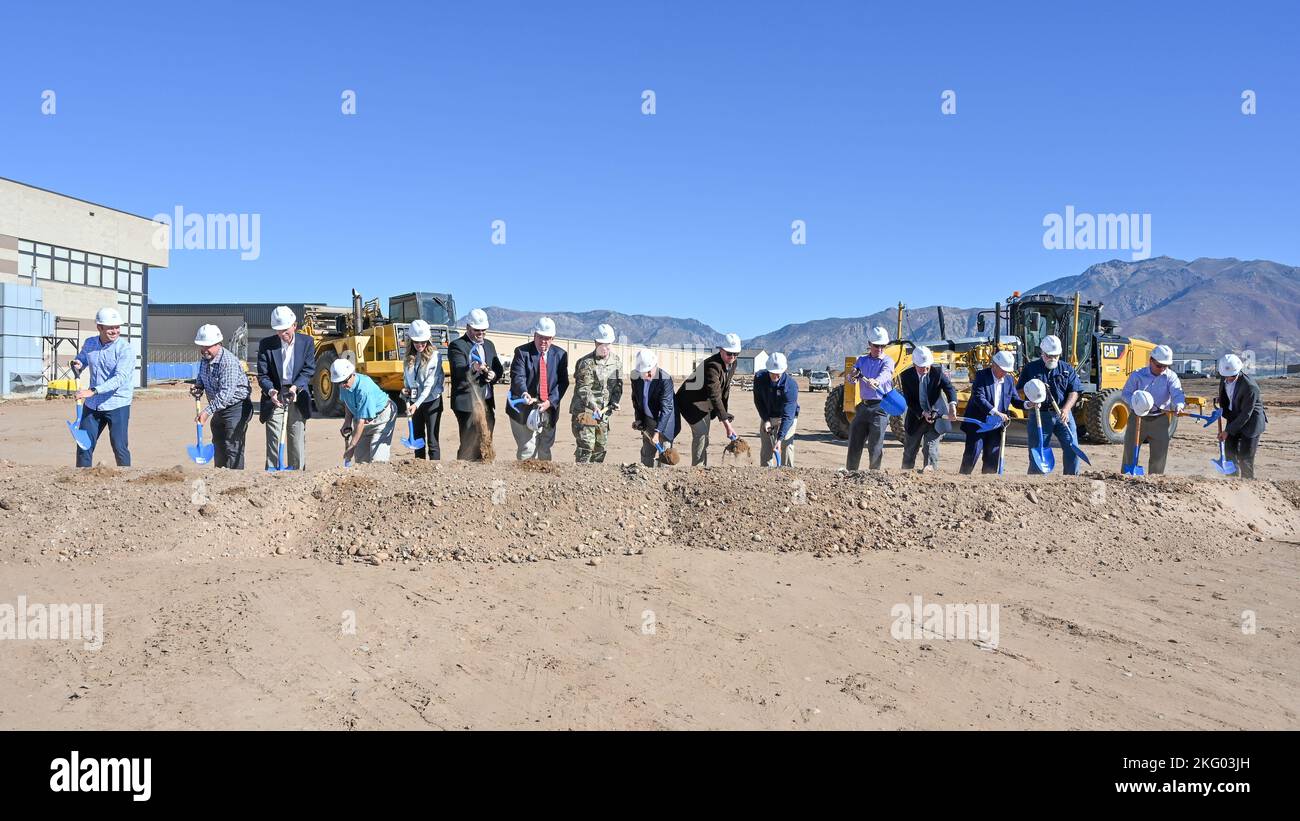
x=700 y=441
x=1155 y=434
x=765 y=455
x=532 y=444
x=376 y=441
x=295 y=451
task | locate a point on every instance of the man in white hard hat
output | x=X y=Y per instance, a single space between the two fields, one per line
x=107 y=402
x=539 y=375
x=221 y=378
x=1243 y=414
x=992 y=393
x=368 y=416
x=1063 y=390
x=930 y=397
x=1159 y=380
x=704 y=397
x=654 y=414
x=776 y=397
x=475 y=368
x=286 y=363
x=874 y=374
x=597 y=390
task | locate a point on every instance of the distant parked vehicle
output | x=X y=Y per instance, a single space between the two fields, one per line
x=819 y=381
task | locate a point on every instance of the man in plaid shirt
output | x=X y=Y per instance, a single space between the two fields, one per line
x=229 y=407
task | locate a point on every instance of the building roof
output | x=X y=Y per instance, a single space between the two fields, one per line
x=750 y=353
x=78 y=199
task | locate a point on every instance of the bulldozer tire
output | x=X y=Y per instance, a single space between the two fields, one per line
x=836 y=420
x=323 y=391
x=897 y=428
x=1105 y=417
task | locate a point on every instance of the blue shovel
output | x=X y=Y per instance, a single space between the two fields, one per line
x=200 y=454
x=1074 y=446
x=410 y=439
x=1044 y=458
x=81 y=437
x=1223 y=464
x=1135 y=469
x=1206 y=420
x=284 y=418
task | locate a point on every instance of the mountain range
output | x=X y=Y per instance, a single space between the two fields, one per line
x=1206 y=305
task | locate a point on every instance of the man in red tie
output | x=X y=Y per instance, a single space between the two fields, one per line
x=539 y=376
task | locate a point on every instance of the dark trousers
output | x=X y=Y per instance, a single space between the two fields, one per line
x=869 y=425
x=1241 y=451
x=427 y=419
x=468 y=450
x=93 y=422
x=924 y=436
x=990 y=444
x=229 y=431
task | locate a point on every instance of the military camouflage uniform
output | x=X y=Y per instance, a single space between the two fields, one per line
x=598 y=384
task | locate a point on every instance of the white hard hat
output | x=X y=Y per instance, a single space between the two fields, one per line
x=604 y=334
x=342 y=370
x=534 y=420
x=1051 y=345
x=1229 y=364
x=732 y=344
x=478 y=319
x=776 y=363
x=208 y=335
x=922 y=357
x=879 y=336
x=646 y=360
x=108 y=317
x=420 y=331
x=545 y=326
x=1036 y=391
x=1142 y=402
x=1005 y=360
x=282 y=318
x=1163 y=354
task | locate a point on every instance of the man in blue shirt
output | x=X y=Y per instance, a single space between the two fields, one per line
x=874 y=373
x=111 y=362
x=1159 y=380
x=776 y=396
x=369 y=415
x=1063 y=385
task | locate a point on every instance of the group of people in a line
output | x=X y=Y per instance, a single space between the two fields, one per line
x=538 y=380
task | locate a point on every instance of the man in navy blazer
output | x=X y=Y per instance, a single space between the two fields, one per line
x=992 y=393
x=539 y=376
x=286 y=362
x=653 y=406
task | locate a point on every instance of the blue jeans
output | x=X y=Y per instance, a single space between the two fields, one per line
x=1065 y=433
x=93 y=422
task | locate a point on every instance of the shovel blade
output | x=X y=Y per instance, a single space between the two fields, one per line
x=1134 y=470
x=1083 y=457
x=1212 y=418
x=1224 y=466
x=201 y=454
x=81 y=437
x=991 y=423
x=1044 y=460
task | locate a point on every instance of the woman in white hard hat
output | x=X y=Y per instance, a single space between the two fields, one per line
x=597 y=390
x=221 y=378
x=1167 y=399
x=654 y=413
x=992 y=393
x=286 y=363
x=1243 y=412
x=107 y=402
x=776 y=397
x=423 y=380
x=368 y=415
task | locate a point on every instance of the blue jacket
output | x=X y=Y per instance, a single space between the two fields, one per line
x=525 y=373
x=663 y=415
x=1060 y=382
x=773 y=399
x=981 y=398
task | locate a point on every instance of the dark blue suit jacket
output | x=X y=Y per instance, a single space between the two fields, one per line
x=270 y=364
x=663 y=414
x=981 y=398
x=525 y=376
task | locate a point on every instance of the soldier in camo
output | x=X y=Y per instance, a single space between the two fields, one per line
x=597 y=389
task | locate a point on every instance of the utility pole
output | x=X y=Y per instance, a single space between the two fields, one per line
x=1275 y=339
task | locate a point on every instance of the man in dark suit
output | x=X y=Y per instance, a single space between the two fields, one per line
x=922 y=385
x=1243 y=412
x=992 y=393
x=475 y=368
x=654 y=414
x=539 y=375
x=286 y=362
x=703 y=398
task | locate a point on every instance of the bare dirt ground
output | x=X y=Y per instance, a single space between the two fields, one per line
x=451 y=595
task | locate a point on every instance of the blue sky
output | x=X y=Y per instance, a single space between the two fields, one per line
x=765 y=113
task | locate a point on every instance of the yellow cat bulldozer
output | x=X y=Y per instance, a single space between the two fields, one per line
x=1092 y=345
x=375 y=344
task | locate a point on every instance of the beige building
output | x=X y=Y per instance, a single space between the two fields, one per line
x=83 y=256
